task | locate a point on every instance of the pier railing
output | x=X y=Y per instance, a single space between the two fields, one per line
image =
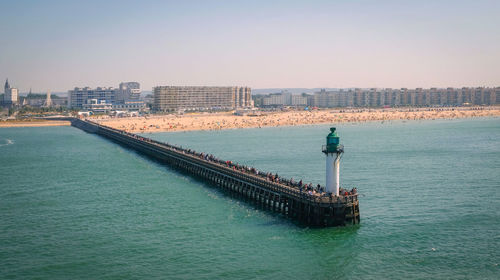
x=340 y=149
x=259 y=181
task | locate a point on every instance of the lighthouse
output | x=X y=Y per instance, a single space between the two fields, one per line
x=333 y=151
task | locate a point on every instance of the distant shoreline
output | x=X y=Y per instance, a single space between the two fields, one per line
x=223 y=121
x=220 y=121
x=33 y=123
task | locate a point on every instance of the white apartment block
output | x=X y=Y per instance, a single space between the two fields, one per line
x=127 y=92
x=275 y=100
x=78 y=97
x=299 y=100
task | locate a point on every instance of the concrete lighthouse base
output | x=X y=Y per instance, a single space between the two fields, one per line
x=332 y=173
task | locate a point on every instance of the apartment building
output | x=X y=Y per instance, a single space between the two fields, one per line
x=125 y=93
x=374 y=97
x=200 y=98
x=78 y=97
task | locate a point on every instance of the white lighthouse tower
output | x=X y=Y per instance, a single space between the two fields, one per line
x=48 y=100
x=333 y=151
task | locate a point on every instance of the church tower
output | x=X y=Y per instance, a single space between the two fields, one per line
x=10 y=94
x=7 y=86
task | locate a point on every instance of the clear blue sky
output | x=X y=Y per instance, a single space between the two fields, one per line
x=58 y=45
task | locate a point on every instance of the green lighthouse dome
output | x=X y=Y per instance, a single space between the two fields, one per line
x=332 y=141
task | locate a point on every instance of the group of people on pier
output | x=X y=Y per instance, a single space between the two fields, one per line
x=300 y=185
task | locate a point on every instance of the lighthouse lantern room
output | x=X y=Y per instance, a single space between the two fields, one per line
x=333 y=151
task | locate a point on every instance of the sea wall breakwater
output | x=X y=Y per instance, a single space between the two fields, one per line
x=303 y=203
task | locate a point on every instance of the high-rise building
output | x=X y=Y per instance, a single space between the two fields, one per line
x=128 y=92
x=243 y=97
x=284 y=98
x=299 y=100
x=196 y=98
x=10 y=97
x=80 y=96
x=404 y=97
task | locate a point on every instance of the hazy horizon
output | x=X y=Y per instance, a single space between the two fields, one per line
x=59 y=45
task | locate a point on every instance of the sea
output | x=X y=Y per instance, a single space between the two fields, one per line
x=74 y=205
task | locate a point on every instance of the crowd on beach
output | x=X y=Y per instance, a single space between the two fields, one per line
x=220 y=121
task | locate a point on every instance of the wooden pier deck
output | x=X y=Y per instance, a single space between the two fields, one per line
x=311 y=210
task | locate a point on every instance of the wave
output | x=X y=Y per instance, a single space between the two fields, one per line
x=7 y=142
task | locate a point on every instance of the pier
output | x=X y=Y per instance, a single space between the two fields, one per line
x=316 y=210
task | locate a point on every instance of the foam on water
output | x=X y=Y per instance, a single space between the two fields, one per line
x=6 y=142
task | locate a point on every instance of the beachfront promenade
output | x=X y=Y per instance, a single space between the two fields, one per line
x=302 y=203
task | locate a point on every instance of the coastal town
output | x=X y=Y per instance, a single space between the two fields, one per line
x=175 y=108
x=250 y=139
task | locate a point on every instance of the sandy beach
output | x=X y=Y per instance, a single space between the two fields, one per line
x=206 y=121
x=33 y=123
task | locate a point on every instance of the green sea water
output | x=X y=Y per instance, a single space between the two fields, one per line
x=74 y=205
